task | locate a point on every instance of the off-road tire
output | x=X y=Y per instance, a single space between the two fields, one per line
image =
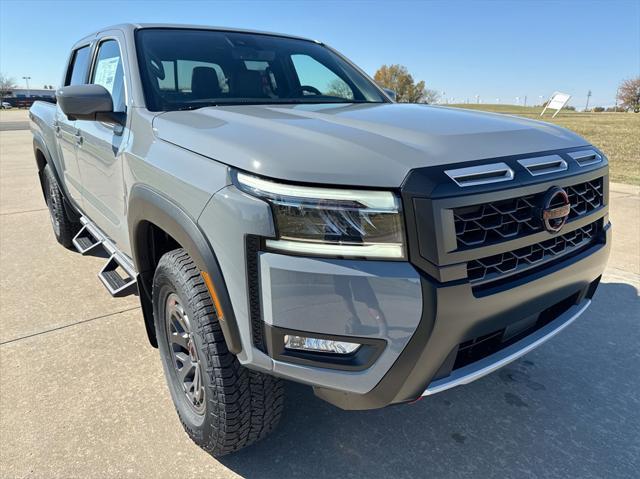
x=64 y=228
x=241 y=406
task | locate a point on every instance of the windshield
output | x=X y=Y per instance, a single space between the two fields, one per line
x=185 y=69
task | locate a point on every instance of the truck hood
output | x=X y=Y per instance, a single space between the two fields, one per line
x=372 y=145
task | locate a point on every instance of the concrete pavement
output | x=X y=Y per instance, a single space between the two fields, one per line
x=82 y=394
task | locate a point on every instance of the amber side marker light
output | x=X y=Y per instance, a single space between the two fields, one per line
x=214 y=295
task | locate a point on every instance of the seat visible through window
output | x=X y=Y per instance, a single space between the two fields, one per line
x=204 y=83
x=248 y=84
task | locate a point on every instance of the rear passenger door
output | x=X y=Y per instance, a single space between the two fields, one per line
x=102 y=145
x=66 y=130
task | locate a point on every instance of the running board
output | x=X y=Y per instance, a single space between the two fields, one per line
x=118 y=275
x=116 y=283
x=87 y=239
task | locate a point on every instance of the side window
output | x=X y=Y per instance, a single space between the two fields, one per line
x=77 y=73
x=108 y=71
x=311 y=73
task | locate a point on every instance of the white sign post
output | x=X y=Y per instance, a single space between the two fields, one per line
x=556 y=102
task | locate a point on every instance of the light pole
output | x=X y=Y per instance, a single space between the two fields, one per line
x=28 y=90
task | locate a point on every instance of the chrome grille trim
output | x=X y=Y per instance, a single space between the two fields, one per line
x=481 y=175
x=586 y=157
x=542 y=165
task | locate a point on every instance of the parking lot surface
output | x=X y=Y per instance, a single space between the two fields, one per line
x=82 y=393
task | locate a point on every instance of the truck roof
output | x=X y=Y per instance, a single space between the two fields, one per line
x=131 y=27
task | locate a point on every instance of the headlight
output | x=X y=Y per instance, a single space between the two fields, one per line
x=331 y=221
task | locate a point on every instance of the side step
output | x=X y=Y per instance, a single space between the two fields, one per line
x=116 y=283
x=86 y=239
x=118 y=275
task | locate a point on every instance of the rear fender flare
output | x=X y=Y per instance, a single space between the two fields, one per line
x=40 y=146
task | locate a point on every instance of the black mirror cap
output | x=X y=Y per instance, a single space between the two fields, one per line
x=88 y=102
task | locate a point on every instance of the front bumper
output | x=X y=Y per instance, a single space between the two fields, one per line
x=453 y=316
x=426 y=324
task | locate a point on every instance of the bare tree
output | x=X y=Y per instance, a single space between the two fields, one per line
x=431 y=96
x=340 y=89
x=398 y=79
x=629 y=94
x=7 y=85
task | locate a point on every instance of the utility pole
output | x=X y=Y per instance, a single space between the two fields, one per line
x=586 y=108
x=28 y=90
x=617 y=95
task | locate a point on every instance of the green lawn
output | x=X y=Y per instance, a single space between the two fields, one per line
x=616 y=134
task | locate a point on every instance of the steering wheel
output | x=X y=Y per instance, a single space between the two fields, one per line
x=310 y=89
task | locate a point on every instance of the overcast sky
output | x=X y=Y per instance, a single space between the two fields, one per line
x=497 y=50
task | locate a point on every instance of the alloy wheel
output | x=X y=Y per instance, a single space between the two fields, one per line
x=184 y=353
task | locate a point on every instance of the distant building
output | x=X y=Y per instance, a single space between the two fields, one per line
x=24 y=98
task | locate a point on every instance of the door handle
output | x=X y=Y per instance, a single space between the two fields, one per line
x=79 y=139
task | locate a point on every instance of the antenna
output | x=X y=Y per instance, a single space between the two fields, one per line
x=586 y=108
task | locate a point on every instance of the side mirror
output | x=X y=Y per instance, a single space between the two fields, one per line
x=88 y=102
x=390 y=93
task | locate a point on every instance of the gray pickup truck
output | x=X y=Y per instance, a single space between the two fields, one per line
x=281 y=217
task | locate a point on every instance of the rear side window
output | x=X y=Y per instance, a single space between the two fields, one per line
x=108 y=71
x=77 y=73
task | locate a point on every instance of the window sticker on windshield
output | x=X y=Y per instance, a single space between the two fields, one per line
x=106 y=72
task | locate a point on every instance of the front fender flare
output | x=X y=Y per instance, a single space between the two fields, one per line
x=148 y=206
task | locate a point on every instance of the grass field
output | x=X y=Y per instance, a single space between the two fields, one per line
x=616 y=134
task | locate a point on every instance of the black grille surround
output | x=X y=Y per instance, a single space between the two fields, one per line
x=496 y=221
x=482 y=234
x=521 y=259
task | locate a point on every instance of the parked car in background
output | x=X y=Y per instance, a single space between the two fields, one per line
x=280 y=217
x=6 y=105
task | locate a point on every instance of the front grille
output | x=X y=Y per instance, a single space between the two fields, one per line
x=516 y=261
x=490 y=223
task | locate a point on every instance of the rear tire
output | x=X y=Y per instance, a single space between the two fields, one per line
x=63 y=227
x=229 y=406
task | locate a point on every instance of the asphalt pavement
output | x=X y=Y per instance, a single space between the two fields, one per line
x=82 y=394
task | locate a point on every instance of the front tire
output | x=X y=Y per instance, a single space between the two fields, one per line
x=222 y=405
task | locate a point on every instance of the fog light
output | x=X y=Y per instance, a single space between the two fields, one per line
x=319 y=345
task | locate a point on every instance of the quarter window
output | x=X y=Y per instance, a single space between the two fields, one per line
x=108 y=72
x=77 y=74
